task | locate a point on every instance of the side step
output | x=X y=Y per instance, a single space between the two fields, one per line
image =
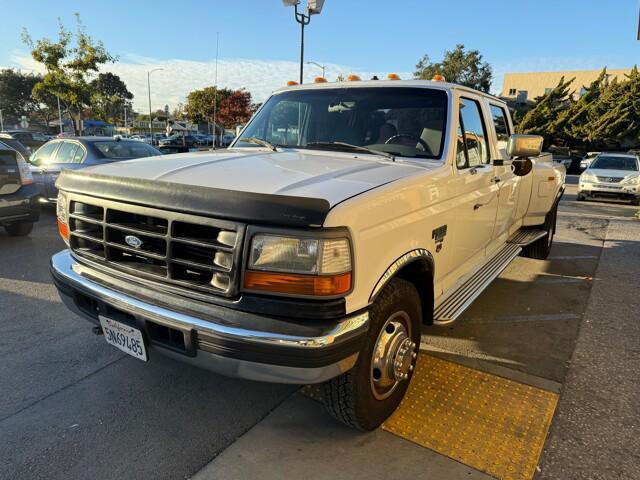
x=451 y=307
x=526 y=236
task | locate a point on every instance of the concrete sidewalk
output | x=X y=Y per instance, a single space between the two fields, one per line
x=596 y=432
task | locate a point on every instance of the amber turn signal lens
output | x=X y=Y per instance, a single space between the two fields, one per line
x=63 y=230
x=317 y=285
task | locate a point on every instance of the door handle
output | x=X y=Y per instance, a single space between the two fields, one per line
x=496 y=179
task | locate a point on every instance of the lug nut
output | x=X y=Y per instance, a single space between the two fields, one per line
x=411 y=368
x=414 y=355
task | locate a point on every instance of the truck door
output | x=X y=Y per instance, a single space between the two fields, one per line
x=508 y=182
x=476 y=191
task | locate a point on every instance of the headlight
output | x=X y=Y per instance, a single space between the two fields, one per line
x=63 y=216
x=632 y=180
x=588 y=177
x=299 y=265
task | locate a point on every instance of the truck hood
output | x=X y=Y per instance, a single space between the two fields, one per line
x=333 y=176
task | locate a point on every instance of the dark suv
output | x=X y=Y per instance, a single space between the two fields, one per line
x=19 y=205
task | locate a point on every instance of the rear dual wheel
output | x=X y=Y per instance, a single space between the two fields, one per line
x=540 y=248
x=369 y=393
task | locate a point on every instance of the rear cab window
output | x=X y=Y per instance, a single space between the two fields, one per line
x=500 y=121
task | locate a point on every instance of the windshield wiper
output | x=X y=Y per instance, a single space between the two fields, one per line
x=259 y=141
x=347 y=147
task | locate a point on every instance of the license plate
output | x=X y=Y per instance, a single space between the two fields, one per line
x=126 y=338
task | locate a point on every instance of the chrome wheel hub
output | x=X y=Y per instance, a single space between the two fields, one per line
x=393 y=355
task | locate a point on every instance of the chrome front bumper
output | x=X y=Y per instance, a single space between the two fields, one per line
x=214 y=343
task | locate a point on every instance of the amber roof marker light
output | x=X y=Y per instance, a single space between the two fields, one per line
x=314 y=7
x=393 y=76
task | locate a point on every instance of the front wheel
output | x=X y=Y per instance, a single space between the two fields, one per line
x=19 y=229
x=370 y=392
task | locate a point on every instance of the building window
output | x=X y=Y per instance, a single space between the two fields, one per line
x=522 y=96
x=512 y=92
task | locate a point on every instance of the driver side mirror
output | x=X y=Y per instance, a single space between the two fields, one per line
x=521 y=148
x=524 y=146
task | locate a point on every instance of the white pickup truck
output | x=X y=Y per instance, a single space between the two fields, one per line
x=343 y=218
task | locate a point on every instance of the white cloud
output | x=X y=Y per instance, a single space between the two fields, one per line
x=178 y=77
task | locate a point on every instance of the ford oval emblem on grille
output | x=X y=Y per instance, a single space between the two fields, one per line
x=133 y=241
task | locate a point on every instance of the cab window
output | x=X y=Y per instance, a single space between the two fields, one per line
x=472 y=148
x=66 y=153
x=500 y=123
x=43 y=154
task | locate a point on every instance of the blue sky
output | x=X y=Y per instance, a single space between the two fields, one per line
x=259 y=39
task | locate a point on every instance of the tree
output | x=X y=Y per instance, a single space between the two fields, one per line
x=458 y=66
x=110 y=97
x=69 y=68
x=234 y=107
x=542 y=118
x=15 y=93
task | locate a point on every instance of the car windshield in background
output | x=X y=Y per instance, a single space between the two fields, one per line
x=401 y=121
x=610 y=162
x=119 y=150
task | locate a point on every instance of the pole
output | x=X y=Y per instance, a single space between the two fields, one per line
x=1 y=122
x=303 y=20
x=301 y=51
x=149 y=88
x=59 y=114
x=215 y=94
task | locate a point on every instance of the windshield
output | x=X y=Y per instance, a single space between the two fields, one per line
x=615 y=163
x=119 y=150
x=408 y=122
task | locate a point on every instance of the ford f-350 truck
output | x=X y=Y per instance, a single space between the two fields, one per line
x=342 y=219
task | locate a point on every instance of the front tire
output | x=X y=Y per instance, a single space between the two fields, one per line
x=19 y=229
x=369 y=393
x=540 y=248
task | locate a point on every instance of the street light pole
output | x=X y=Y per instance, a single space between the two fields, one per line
x=303 y=20
x=59 y=114
x=323 y=67
x=314 y=7
x=149 y=88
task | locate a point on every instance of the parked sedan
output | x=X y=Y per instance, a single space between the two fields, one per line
x=80 y=152
x=184 y=140
x=614 y=175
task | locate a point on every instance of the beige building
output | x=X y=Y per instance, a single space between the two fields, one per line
x=523 y=87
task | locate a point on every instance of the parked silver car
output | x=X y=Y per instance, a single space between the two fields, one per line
x=79 y=152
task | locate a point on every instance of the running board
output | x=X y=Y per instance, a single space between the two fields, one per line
x=451 y=307
x=526 y=236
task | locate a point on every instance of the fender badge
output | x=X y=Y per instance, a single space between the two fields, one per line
x=438 y=235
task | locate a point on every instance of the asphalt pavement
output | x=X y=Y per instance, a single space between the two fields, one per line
x=74 y=407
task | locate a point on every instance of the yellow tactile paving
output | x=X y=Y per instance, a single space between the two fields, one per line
x=490 y=423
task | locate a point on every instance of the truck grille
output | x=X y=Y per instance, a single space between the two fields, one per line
x=184 y=250
x=610 y=179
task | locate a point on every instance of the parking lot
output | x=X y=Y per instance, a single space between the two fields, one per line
x=74 y=407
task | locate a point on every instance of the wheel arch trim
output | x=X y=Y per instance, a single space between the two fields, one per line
x=402 y=261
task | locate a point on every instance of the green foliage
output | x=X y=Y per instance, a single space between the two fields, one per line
x=542 y=119
x=110 y=96
x=233 y=107
x=70 y=64
x=458 y=66
x=606 y=116
x=15 y=93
